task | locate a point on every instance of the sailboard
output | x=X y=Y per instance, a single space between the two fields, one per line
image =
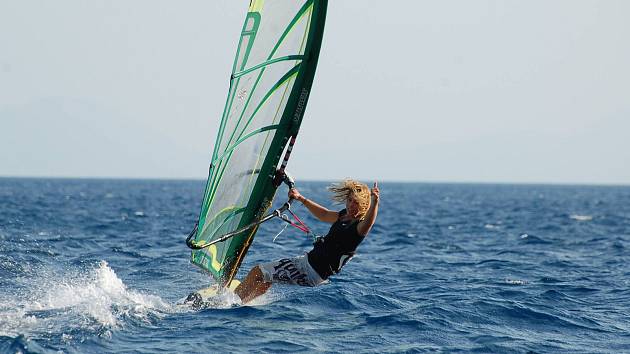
x=271 y=80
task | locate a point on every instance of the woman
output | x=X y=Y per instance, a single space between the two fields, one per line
x=330 y=253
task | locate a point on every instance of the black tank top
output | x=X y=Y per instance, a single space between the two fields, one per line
x=334 y=250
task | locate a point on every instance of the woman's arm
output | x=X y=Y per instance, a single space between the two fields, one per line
x=364 y=226
x=317 y=210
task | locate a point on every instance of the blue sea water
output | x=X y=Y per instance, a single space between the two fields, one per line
x=100 y=266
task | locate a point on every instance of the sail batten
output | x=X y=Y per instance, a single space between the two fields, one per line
x=266 y=63
x=271 y=78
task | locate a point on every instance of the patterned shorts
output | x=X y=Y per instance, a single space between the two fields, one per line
x=295 y=271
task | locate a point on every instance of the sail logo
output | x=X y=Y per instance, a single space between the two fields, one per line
x=242 y=94
x=299 y=109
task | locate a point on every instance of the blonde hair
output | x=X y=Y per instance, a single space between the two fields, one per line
x=351 y=189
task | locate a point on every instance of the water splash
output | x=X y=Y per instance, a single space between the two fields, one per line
x=97 y=302
x=228 y=299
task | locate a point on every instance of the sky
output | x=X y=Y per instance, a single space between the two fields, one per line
x=528 y=91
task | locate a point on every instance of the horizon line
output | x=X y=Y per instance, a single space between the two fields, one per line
x=175 y=179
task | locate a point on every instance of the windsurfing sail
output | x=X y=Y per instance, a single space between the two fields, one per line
x=270 y=84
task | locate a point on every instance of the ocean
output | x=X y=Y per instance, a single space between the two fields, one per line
x=91 y=266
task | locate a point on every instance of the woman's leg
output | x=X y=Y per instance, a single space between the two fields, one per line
x=252 y=286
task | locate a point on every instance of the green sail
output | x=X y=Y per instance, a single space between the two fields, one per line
x=271 y=80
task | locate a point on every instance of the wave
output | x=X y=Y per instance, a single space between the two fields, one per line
x=578 y=217
x=19 y=344
x=538 y=318
x=531 y=239
x=398 y=320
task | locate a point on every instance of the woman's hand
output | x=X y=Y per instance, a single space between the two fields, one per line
x=295 y=194
x=375 y=193
x=364 y=226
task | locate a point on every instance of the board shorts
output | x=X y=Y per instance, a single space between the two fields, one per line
x=294 y=271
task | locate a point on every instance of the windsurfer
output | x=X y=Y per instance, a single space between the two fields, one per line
x=331 y=252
